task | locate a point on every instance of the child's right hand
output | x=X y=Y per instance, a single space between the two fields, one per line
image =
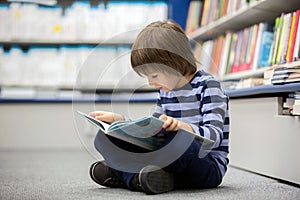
x=107 y=117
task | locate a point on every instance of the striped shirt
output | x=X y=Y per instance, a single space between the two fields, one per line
x=204 y=106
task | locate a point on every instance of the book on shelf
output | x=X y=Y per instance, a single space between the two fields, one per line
x=144 y=132
x=258 y=46
x=293 y=77
x=296 y=105
x=238 y=50
x=282 y=34
x=285 y=46
x=292 y=38
x=225 y=53
x=205 y=55
x=287 y=106
x=286 y=70
x=193 y=16
x=286 y=75
x=214 y=10
x=286 y=38
x=296 y=53
x=291 y=104
x=296 y=109
x=242 y=65
x=274 y=47
x=205 y=13
x=216 y=55
x=231 y=52
x=249 y=82
x=264 y=46
x=242 y=55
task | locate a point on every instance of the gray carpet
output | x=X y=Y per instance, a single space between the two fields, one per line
x=64 y=175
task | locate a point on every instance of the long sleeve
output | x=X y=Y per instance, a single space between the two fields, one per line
x=158 y=109
x=213 y=106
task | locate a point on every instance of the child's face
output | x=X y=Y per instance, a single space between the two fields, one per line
x=163 y=81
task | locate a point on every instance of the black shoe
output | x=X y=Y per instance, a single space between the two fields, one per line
x=153 y=180
x=103 y=175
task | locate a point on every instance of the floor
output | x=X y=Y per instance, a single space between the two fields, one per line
x=64 y=175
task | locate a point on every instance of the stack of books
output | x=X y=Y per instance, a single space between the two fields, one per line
x=291 y=104
x=287 y=106
x=286 y=75
x=296 y=106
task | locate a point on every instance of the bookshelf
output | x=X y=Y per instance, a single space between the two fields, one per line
x=255 y=12
x=250 y=14
x=255 y=73
x=64 y=36
x=263 y=139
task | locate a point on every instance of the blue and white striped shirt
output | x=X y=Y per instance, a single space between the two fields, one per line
x=204 y=106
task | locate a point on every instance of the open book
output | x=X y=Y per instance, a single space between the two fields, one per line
x=142 y=132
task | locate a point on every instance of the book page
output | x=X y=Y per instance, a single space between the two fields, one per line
x=100 y=124
x=142 y=128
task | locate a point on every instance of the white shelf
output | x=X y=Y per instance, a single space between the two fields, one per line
x=255 y=73
x=127 y=40
x=260 y=11
x=244 y=74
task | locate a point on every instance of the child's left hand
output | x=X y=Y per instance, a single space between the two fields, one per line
x=171 y=124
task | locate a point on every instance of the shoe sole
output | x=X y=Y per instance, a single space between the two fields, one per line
x=154 y=180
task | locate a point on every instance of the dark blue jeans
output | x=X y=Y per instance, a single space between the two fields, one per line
x=190 y=168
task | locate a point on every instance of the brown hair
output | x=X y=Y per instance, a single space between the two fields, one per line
x=163 y=43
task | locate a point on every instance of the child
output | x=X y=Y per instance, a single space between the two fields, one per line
x=189 y=99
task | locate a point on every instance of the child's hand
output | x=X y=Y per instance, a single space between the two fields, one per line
x=171 y=124
x=108 y=117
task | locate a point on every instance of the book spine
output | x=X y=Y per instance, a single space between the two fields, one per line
x=286 y=37
x=297 y=43
x=275 y=41
x=231 y=53
x=282 y=27
x=290 y=42
x=205 y=14
x=193 y=17
x=257 y=45
x=225 y=54
x=265 y=47
x=294 y=36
